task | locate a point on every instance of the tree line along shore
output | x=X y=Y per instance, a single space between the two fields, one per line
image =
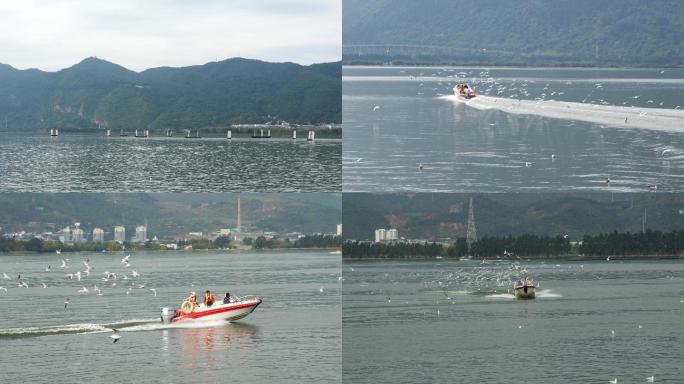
x=221 y=242
x=622 y=245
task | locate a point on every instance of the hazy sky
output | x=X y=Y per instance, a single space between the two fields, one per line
x=55 y=34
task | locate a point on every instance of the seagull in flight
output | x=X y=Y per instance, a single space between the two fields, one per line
x=154 y=291
x=125 y=259
x=115 y=337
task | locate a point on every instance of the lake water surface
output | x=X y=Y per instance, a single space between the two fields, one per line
x=293 y=337
x=94 y=163
x=397 y=118
x=456 y=322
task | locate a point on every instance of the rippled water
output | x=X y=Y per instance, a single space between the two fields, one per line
x=455 y=321
x=393 y=122
x=293 y=337
x=95 y=163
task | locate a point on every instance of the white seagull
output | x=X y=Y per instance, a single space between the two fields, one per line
x=154 y=291
x=115 y=337
x=83 y=290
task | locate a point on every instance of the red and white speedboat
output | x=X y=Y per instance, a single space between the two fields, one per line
x=524 y=289
x=462 y=91
x=237 y=309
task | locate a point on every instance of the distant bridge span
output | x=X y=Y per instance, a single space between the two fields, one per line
x=413 y=49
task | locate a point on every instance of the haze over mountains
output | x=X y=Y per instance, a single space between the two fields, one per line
x=95 y=94
x=525 y=32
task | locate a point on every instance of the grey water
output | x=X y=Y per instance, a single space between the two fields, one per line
x=293 y=337
x=395 y=119
x=94 y=163
x=445 y=321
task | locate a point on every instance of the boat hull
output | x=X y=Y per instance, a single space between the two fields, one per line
x=525 y=293
x=228 y=312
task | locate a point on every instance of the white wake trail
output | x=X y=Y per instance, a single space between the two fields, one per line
x=657 y=119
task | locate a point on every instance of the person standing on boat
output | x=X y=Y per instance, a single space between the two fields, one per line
x=208 y=298
x=226 y=299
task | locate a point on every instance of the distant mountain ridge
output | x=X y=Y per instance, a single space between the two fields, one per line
x=523 y=32
x=97 y=93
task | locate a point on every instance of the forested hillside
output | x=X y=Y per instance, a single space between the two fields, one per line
x=524 y=32
x=96 y=94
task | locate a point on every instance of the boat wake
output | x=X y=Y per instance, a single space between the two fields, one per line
x=541 y=294
x=87 y=328
x=657 y=119
x=547 y=294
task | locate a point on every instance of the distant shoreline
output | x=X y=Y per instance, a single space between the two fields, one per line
x=501 y=65
x=527 y=258
x=231 y=250
x=241 y=131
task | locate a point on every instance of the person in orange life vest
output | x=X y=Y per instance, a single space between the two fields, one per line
x=208 y=298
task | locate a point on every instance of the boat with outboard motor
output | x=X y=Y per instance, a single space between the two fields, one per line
x=235 y=309
x=524 y=289
x=464 y=92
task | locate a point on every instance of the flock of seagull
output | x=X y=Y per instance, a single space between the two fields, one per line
x=107 y=279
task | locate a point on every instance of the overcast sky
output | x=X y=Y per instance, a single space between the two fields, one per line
x=55 y=34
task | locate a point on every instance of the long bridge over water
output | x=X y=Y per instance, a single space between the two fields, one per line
x=414 y=49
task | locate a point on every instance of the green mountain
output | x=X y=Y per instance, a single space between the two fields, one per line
x=523 y=32
x=433 y=216
x=96 y=93
x=171 y=214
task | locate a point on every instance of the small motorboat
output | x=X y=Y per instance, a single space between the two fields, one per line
x=524 y=289
x=464 y=92
x=236 y=309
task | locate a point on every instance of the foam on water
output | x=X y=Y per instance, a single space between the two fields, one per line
x=501 y=296
x=657 y=119
x=547 y=294
x=132 y=325
x=51 y=330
